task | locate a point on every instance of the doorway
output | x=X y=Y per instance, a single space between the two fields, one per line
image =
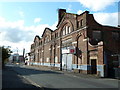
x=93 y=66
x=66 y=61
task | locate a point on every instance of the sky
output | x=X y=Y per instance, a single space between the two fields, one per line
x=21 y=21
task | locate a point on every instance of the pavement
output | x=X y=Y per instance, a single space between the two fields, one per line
x=65 y=72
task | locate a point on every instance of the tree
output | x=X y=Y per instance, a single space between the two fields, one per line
x=6 y=52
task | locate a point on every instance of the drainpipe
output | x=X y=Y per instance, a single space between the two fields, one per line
x=54 y=54
x=77 y=52
x=60 y=55
x=87 y=40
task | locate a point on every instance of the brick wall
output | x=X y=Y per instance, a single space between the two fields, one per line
x=81 y=36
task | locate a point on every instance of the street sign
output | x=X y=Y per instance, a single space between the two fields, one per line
x=70 y=50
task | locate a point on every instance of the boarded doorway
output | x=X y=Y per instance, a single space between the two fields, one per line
x=66 y=61
x=93 y=66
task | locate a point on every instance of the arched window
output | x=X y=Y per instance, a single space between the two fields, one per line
x=69 y=29
x=63 y=31
x=66 y=29
x=47 y=39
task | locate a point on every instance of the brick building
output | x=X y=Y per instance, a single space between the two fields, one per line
x=78 y=44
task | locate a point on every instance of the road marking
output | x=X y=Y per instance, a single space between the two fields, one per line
x=74 y=76
x=30 y=81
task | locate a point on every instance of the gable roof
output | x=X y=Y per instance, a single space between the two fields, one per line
x=47 y=30
x=65 y=13
x=36 y=37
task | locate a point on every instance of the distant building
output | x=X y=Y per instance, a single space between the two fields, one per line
x=78 y=44
x=21 y=58
x=16 y=58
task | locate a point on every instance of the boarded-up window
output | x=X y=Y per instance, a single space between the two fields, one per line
x=56 y=59
x=81 y=22
x=47 y=60
x=97 y=35
x=115 y=35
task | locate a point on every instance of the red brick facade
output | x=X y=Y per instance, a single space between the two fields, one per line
x=78 y=43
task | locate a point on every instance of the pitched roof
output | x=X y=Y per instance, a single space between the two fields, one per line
x=36 y=37
x=46 y=29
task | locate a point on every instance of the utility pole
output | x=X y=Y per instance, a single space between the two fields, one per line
x=17 y=55
x=17 y=50
x=23 y=54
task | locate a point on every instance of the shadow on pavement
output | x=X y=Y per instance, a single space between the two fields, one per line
x=11 y=80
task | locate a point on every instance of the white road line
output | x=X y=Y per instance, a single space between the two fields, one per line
x=33 y=83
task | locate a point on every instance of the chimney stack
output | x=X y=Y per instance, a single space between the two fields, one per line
x=61 y=13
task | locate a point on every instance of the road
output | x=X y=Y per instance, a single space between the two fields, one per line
x=13 y=81
x=55 y=79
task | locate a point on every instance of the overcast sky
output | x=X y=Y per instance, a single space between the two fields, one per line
x=20 y=22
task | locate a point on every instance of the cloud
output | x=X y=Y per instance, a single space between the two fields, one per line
x=37 y=20
x=107 y=18
x=13 y=31
x=119 y=18
x=53 y=27
x=97 y=5
x=79 y=11
x=5 y=24
x=110 y=19
x=16 y=34
x=69 y=7
x=19 y=45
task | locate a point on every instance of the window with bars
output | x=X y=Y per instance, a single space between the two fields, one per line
x=80 y=23
x=97 y=35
